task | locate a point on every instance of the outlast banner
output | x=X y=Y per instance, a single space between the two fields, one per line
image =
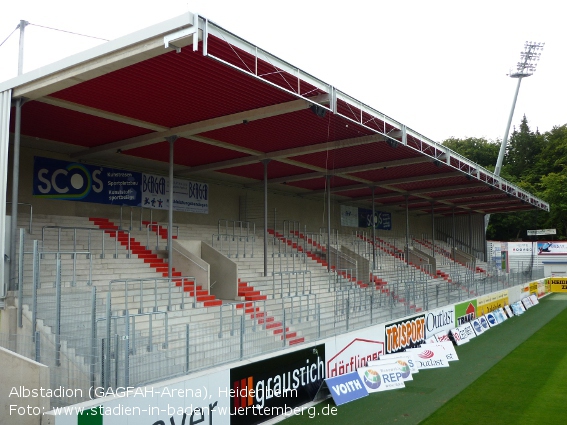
x=442 y=319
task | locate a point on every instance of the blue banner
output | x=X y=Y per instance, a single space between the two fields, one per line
x=382 y=220
x=73 y=181
x=346 y=388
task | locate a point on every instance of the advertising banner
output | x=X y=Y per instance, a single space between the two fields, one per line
x=408 y=333
x=268 y=388
x=351 y=353
x=467 y=330
x=446 y=347
x=492 y=319
x=349 y=216
x=202 y=399
x=508 y=311
x=73 y=181
x=382 y=220
x=459 y=337
x=465 y=312
x=477 y=327
x=346 y=388
x=484 y=323
x=188 y=196
x=517 y=249
x=500 y=315
x=517 y=308
x=527 y=303
x=491 y=302
x=557 y=284
x=551 y=248
x=534 y=299
x=430 y=356
x=442 y=319
x=402 y=365
x=405 y=356
x=442 y=337
x=382 y=378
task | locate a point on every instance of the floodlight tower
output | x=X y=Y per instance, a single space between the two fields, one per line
x=524 y=68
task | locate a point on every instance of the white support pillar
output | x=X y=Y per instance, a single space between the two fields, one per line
x=5 y=105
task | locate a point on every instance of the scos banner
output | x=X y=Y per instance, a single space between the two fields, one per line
x=73 y=181
x=362 y=217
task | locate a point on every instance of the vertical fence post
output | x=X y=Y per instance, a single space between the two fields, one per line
x=107 y=345
x=37 y=346
x=241 y=336
x=58 y=312
x=35 y=283
x=116 y=358
x=93 y=339
x=187 y=348
x=21 y=278
x=127 y=351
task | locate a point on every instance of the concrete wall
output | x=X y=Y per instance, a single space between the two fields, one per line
x=187 y=260
x=18 y=373
x=224 y=273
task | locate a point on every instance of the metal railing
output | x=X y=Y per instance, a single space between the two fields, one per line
x=233 y=246
x=152 y=290
x=135 y=341
x=78 y=231
x=240 y=229
x=155 y=227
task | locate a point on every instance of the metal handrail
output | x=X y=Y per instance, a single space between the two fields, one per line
x=170 y=283
x=156 y=230
x=31 y=213
x=96 y=229
x=237 y=224
x=42 y=253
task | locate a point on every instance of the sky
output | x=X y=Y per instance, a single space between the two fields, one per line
x=439 y=67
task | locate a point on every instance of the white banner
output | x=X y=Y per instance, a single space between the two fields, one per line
x=188 y=196
x=381 y=378
x=406 y=356
x=403 y=365
x=446 y=347
x=430 y=356
x=442 y=319
x=349 y=216
x=516 y=249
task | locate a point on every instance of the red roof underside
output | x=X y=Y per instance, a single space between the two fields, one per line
x=176 y=89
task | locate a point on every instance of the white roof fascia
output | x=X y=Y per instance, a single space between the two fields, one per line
x=35 y=83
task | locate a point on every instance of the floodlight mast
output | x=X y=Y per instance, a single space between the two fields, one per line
x=524 y=68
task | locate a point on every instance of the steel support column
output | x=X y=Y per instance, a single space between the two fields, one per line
x=16 y=168
x=407 y=230
x=328 y=223
x=433 y=230
x=171 y=140
x=470 y=233
x=373 y=231
x=453 y=238
x=266 y=162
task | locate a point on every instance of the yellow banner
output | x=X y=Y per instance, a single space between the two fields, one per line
x=533 y=288
x=558 y=284
x=491 y=302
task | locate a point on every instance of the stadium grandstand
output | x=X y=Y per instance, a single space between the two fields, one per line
x=186 y=200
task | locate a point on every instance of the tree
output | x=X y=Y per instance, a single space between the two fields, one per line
x=522 y=153
x=479 y=150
